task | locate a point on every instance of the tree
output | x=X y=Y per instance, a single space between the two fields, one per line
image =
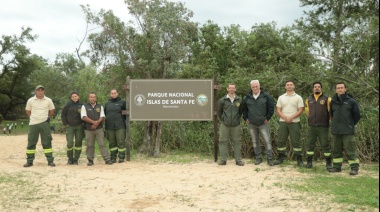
x=17 y=64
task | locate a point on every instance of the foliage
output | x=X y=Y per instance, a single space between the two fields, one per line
x=333 y=41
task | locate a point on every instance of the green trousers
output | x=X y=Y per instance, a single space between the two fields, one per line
x=318 y=133
x=292 y=129
x=346 y=142
x=227 y=133
x=74 y=147
x=117 y=143
x=43 y=130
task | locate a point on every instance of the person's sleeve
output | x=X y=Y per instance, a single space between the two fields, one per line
x=270 y=107
x=83 y=112
x=28 y=105
x=102 y=112
x=307 y=107
x=356 y=113
x=300 y=102
x=243 y=109
x=63 y=115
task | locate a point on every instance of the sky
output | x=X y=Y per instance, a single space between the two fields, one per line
x=60 y=24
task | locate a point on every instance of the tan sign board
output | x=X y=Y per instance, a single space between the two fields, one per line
x=171 y=100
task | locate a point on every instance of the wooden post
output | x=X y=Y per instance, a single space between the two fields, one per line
x=126 y=113
x=215 y=118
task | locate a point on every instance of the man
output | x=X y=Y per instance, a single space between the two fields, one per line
x=229 y=114
x=39 y=108
x=115 y=126
x=345 y=114
x=289 y=107
x=93 y=114
x=317 y=107
x=258 y=109
x=71 y=117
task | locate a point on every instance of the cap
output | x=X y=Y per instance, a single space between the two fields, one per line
x=39 y=86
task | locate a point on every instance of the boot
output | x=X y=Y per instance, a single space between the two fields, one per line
x=354 y=172
x=280 y=159
x=328 y=163
x=299 y=161
x=309 y=164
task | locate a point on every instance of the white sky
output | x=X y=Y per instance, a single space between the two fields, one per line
x=60 y=24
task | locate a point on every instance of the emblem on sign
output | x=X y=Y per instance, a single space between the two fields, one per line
x=202 y=100
x=139 y=100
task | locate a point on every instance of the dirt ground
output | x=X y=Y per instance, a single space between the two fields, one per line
x=146 y=185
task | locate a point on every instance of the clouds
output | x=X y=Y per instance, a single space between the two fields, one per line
x=60 y=24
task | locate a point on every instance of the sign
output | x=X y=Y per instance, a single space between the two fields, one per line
x=171 y=100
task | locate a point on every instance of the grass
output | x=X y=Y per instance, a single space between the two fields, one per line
x=357 y=192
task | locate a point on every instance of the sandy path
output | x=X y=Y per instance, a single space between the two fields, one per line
x=145 y=185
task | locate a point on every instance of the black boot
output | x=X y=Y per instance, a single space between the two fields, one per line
x=299 y=161
x=309 y=160
x=328 y=163
x=280 y=159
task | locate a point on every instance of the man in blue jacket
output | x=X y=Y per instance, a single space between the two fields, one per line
x=345 y=114
x=258 y=109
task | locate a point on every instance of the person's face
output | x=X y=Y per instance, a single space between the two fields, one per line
x=289 y=86
x=40 y=92
x=231 y=89
x=114 y=94
x=255 y=87
x=340 y=89
x=317 y=89
x=74 y=97
x=92 y=98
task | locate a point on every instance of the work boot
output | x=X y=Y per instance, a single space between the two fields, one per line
x=109 y=162
x=28 y=164
x=70 y=162
x=354 y=172
x=75 y=162
x=280 y=159
x=90 y=162
x=309 y=163
x=121 y=161
x=270 y=162
x=239 y=163
x=299 y=161
x=328 y=163
x=334 y=169
x=258 y=161
x=51 y=163
x=222 y=162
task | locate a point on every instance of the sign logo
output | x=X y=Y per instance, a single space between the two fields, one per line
x=139 y=100
x=322 y=102
x=202 y=100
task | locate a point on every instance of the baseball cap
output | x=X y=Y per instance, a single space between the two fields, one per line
x=39 y=86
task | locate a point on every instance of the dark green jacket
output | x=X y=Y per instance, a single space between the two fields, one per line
x=112 y=109
x=345 y=114
x=257 y=110
x=229 y=112
x=71 y=114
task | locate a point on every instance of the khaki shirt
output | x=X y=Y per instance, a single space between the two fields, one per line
x=289 y=105
x=39 y=109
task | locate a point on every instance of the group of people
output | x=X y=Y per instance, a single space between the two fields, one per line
x=81 y=120
x=257 y=108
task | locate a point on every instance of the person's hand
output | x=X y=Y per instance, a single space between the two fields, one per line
x=247 y=121
x=266 y=121
x=288 y=120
